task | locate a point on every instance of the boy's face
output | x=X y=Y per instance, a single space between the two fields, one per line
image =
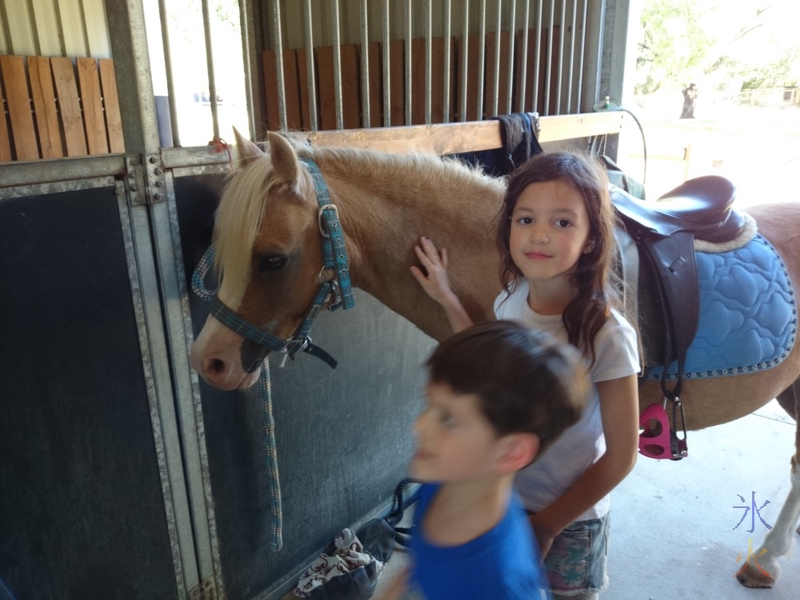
x=455 y=441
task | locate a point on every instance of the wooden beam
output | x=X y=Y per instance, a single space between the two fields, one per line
x=19 y=107
x=92 y=102
x=69 y=106
x=44 y=103
x=567 y=127
x=452 y=138
x=108 y=81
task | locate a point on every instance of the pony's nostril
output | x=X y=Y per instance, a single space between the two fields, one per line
x=215 y=366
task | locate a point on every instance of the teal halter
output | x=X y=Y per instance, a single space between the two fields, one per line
x=338 y=289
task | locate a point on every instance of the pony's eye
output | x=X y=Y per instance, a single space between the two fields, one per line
x=271 y=262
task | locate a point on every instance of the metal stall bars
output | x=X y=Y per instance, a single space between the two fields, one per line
x=498 y=67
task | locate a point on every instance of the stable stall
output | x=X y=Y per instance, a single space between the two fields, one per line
x=129 y=477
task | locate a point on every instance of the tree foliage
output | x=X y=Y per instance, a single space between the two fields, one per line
x=717 y=44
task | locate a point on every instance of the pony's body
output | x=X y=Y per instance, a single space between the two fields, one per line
x=385 y=203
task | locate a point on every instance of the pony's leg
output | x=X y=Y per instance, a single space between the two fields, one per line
x=788 y=399
x=762 y=569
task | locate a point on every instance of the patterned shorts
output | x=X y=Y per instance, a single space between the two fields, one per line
x=577 y=560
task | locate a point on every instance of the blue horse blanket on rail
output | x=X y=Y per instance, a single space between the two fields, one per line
x=748 y=313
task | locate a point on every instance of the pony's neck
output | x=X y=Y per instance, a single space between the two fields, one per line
x=386 y=203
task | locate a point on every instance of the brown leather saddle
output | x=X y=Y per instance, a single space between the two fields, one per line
x=668 y=291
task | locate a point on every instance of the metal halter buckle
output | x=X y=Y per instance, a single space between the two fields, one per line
x=321 y=218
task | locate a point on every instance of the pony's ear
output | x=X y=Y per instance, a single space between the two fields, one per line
x=284 y=160
x=248 y=151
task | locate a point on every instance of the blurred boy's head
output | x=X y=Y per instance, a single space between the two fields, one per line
x=498 y=395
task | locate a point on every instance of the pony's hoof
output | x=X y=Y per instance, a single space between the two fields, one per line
x=753 y=577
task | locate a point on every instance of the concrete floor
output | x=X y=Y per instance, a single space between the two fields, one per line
x=673 y=535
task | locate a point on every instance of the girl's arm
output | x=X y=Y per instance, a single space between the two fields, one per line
x=619 y=411
x=436 y=285
x=397 y=588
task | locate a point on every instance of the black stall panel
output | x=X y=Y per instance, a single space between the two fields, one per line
x=344 y=436
x=81 y=508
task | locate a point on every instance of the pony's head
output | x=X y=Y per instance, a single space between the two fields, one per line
x=268 y=256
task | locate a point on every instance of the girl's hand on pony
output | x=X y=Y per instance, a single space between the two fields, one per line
x=435 y=283
x=434 y=280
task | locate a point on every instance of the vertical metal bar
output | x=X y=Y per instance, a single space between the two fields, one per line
x=277 y=44
x=252 y=74
x=173 y=111
x=523 y=71
x=387 y=95
x=583 y=56
x=549 y=65
x=428 y=62
x=35 y=33
x=310 y=69
x=571 y=55
x=408 y=61
x=481 y=56
x=337 y=63
x=538 y=57
x=464 y=60
x=134 y=78
x=212 y=81
x=135 y=224
x=512 y=26
x=178 y=325
x=365 y=65
x=498 y=33
x=562 y=36
x=84 y=25
x=447 y=54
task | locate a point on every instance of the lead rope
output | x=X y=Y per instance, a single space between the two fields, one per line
x=265 y=391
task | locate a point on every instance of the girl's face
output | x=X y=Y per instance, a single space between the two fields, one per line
x=455 y=441
x=549 y=230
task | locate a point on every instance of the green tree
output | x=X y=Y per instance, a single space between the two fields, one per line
x=718 y=44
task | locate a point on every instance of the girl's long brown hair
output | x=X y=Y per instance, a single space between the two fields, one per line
x=584 y=316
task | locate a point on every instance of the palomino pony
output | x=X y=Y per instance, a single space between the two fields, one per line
x=269 y=258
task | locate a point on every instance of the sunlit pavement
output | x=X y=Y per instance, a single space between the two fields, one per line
x=676 y=530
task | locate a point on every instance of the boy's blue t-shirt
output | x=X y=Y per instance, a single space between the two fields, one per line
x=502 y=564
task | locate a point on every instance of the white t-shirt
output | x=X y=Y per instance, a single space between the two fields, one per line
x=580 y=446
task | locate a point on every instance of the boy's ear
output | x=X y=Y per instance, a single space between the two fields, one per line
x=519 y=451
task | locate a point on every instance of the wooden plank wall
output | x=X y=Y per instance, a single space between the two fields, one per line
x=296 y=81
x=54 y=108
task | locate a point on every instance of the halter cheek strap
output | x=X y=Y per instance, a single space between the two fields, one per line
x=334 y=252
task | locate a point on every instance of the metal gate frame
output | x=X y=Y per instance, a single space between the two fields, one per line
x=173 y=425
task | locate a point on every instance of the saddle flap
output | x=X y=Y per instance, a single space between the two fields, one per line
x=669 y=306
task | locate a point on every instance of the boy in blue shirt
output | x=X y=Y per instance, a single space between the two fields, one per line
x=498 y=394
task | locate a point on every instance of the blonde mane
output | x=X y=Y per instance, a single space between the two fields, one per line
x=449 y=175
x=243 y=206
x=238 y=220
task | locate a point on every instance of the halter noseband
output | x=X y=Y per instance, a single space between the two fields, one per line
x=338 y=289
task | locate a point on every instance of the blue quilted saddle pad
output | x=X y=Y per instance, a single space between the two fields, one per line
x=748 y=313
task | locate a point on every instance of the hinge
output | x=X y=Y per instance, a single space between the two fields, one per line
x=145 y=179
x=207 y=590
